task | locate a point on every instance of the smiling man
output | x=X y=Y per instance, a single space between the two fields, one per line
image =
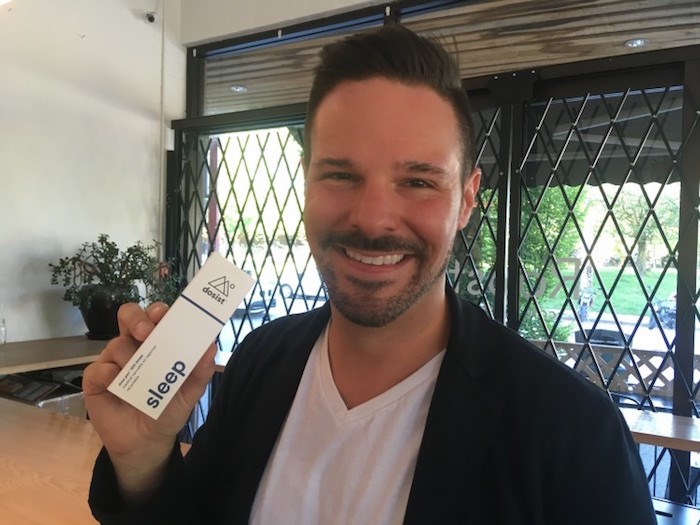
x=384 y=201
x=385 y=198
x=397 y=402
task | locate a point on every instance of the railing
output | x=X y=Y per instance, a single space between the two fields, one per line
x=632 y=373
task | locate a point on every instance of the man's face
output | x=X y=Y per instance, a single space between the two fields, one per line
x=384 y=198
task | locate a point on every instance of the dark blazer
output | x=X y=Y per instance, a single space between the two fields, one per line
x=512 y=437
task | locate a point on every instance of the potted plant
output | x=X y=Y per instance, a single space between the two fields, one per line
x=100 y=277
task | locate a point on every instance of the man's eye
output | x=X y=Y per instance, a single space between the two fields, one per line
x=419 y=183
x=337 y=175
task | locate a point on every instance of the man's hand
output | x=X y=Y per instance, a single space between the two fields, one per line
x=138 y=445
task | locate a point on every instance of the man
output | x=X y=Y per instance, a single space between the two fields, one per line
x=397 y=401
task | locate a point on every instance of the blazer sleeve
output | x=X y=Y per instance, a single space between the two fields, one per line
x=108 y=507
x=185 y=495
x=605 y=483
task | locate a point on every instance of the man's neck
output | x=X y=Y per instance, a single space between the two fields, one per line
x=366 y=362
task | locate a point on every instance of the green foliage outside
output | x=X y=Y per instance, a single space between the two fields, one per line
x=551 y=242
x=639 y=227
x=483 y=251
x=551 y=206
x=550 y=232
x=553 y=220
x=628 y=297
x=265 y=185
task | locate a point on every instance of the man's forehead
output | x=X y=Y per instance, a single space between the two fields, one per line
x=379 y=110
x=368 y=83
x=386 y=97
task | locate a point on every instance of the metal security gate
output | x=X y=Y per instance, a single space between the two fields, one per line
x=243 y=195
x=599 y=231
x=473 y=268
x=587 y=230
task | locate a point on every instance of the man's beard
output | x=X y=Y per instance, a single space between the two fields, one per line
x=360 y=304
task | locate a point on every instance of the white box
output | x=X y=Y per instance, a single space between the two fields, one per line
x=164 y=360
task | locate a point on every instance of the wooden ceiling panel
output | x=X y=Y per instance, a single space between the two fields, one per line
x=488 y=37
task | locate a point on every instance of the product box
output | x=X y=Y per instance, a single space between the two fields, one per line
x=164 y=360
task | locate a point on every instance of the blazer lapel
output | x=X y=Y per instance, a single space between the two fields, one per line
x=465 y=411
x=260 y=421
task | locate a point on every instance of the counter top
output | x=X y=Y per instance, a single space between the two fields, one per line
x=27 y=356
x=46 y=462
x=663 y=429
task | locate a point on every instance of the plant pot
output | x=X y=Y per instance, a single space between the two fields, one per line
x=100 y=315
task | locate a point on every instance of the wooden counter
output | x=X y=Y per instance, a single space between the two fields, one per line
x=46 y=459
x=663 y=430
x=42 y=354
x=46 y=462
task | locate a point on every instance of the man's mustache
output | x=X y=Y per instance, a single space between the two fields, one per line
x=358 y=241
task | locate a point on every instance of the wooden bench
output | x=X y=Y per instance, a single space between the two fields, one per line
x=663 y=429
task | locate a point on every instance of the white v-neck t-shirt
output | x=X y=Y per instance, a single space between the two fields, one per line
x=332 y=465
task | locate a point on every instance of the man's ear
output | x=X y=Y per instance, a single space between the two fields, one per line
x=469 y=191
x=305 y=168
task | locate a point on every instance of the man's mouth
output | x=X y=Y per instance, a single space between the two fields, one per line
x=379 y=260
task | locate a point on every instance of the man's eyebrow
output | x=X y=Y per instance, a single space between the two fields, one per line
x=420 y=167
x=325 y=162
x=409 y=165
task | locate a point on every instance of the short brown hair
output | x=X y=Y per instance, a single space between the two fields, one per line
x=396 y=53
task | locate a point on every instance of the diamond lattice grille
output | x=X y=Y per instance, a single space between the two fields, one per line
x=598 y=249
x=472 y=268
x=244 y=199
x=599 y=236
x=585 y=160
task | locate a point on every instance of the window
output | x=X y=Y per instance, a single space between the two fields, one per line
x=585 y=237
x=245 y=201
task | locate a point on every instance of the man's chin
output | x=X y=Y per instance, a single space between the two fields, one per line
x=367 y=318
x=369 y=287
x=369 y=312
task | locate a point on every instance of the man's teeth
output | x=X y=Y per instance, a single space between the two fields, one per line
x=377 y=261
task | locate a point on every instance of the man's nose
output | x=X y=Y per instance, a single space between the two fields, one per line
x=375 y=210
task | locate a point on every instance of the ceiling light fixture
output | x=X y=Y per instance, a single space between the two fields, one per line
x=636 y=42
x=3 y=2
x=239 y=90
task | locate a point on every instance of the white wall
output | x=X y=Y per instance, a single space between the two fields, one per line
x=88 y=89
x=208 y=20
x=85 y=104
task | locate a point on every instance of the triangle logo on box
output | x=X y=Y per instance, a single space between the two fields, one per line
x=221 y=285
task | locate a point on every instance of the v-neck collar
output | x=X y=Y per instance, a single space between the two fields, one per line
x=335 y=402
